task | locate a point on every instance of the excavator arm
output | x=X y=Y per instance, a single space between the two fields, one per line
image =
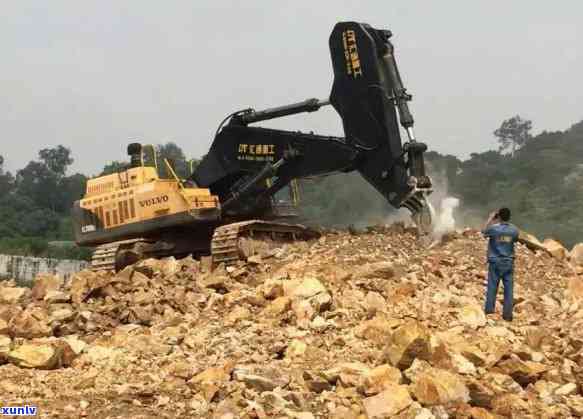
x=369 y=96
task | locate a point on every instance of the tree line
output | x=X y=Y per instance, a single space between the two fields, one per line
x=35 y=202
x=539 y=177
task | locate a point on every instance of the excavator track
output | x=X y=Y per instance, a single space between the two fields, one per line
x=239 y=241
x=103 y=257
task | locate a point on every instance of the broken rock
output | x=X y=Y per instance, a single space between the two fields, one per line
x=308 y=288
x=13 y=295
x=439 y=387
x=44 y=283
x=509 y=405
x=382 y=270
x=576 y=254
x=388 y=403
x=4 y=329
x=408 y=342
x=83 y=284
x=57 y=297
x=575 y=288
x=381 y=378
x=350 y=374
x=278 y=307
x=523 y=372
x=30 y=323
x=5 y=347
x=259 y=382
x=44 y=356
x=556 y=249
x=531 y=241
x=472 y=316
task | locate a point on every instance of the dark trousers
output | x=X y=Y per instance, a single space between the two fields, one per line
x=501 y=269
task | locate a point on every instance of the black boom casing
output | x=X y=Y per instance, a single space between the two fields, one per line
x=363 y=97
x=369 y=97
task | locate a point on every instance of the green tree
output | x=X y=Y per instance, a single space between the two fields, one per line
x=114 y=167
x=175 y=156
x=71 y=188
x=39 y=183
x=513 y=134
x=57 y=159
x=6 y=179
x=45 y=183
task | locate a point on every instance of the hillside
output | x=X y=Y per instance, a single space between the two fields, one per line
x=349 y=326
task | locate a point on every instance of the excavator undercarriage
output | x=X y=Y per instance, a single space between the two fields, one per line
x=229 y=244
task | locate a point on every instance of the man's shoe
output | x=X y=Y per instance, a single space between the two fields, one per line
x=508 y=319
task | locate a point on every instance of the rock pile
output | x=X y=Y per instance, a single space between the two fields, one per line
x=353 y=325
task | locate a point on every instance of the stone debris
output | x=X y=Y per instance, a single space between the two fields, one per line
x=13 y=295
x=354 y=325
x=389 y=403
x=408 y=342
x=576 y=254
x=556 y=249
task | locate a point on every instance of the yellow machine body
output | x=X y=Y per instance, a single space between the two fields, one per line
x=136 y=202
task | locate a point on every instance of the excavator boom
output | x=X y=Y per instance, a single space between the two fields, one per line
x=369 y=96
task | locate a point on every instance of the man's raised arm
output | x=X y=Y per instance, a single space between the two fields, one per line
x=491 y=219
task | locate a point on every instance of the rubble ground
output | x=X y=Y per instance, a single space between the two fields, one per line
x=354 y=325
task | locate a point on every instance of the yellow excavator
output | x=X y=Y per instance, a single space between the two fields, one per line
x=229 y=207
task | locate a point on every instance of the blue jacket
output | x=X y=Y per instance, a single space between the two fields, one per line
x=502 y=238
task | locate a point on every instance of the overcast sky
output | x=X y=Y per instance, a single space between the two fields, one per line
x=95 y=75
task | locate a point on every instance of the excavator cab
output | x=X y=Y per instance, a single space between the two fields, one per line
x=285 y=202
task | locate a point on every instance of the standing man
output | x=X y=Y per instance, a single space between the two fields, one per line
x=502 y=236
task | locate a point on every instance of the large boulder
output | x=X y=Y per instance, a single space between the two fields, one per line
x=277 y=307
x=57 y=297
x=510 y=405
x=556 y=249
x=309 y=297
x=44 y=283
x=408 y=342
x=435 y=386
x=4 y=329
x=472 y=316
x=379 y=379
x=43 y=356
x=575 y=288
x=576 y=254
x=5 y=347
x=389 y=403
x=86 y=283
x=489 y=386
x=531 y=241
x=210 y=381
x=308 y=288
x=260 y=382
x=103 y=356
x=13 y=295
x=382 y=270
x=77 y=345
x=378 y=330
x=349 y=374
x=523 y=372
x=30 y=323
x=446 y=357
